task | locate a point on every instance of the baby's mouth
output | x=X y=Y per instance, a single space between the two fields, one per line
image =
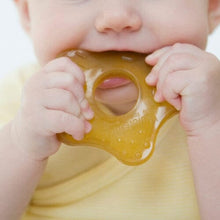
x=118 y=94
x=113 y=82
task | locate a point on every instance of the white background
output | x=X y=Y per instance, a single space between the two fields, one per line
x=16 y=49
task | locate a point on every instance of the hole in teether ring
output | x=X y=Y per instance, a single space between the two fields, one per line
x=116 y=95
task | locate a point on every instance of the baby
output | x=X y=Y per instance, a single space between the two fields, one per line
x=174 y=33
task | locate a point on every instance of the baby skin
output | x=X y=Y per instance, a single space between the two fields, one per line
x=173 y=33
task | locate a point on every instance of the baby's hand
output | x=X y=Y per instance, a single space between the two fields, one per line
x=189 y=79
x=53 y=102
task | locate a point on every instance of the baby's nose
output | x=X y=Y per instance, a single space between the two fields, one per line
x=118 y=19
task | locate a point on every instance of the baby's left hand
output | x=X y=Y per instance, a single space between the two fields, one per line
x=189 y=79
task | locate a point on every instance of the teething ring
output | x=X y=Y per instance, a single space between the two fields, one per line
x=129 y=137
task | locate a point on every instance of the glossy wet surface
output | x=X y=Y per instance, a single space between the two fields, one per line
x=130 y=136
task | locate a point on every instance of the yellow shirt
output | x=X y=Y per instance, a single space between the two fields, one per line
x=85 y=183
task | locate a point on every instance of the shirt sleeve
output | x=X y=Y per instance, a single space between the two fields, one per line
x=10 y=92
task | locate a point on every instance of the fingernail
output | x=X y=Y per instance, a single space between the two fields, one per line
x=149 y=78
x=88 y=114
x=86 y=110
x=149 y=58
x=157 y=97
x=178 y=106
x=88 y=127
x=153 y=55
x=78 y=137
x=84 y=104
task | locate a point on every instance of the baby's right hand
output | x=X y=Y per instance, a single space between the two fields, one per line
x=53 y=102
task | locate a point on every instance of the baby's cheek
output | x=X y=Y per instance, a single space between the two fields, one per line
x=183 y=26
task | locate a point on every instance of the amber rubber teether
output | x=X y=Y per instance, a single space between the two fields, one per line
x=129 y=137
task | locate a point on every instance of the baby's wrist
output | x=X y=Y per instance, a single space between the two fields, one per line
x=29 y=144
x=208 y=134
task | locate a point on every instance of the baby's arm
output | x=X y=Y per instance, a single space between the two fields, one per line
x=53 y=101
x=189 y=79
x=19 y=176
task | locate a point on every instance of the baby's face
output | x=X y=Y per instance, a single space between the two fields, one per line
x=122 y=25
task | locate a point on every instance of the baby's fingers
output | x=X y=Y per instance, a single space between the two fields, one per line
x=60 y=99
x=153 y=58
x=175 y=88
x=69 y=83
x=175 y=58
x=64 y=64
x=174 y=63
x=58 y=122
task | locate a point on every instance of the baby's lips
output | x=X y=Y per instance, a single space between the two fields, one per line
x=113 y=82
